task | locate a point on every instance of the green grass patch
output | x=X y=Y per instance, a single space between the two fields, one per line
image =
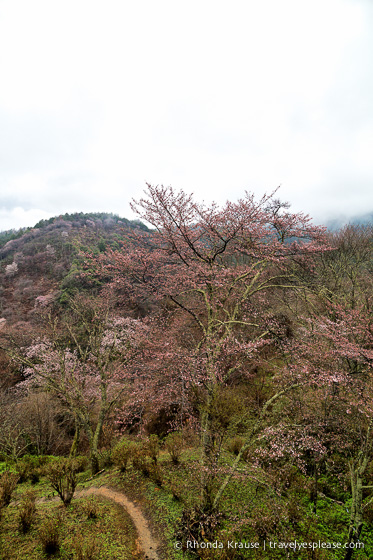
x=92 y=528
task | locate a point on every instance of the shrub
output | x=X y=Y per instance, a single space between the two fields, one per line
x=196 y=524
x=8 y=482
x=151 y=447
x=174 y=446
x=23 y=470
x=176 y=490
x=81 y=463
x=35 y=476
x=140 y=463
x=106 y=458
x=294 y=511
x=49 y=535
x=267 y=519
x=86 y=550
x=288 y=477
x=235 y=445
x=123 y=452
x=156 y=474
x=90 y=508
x=29 y=467
x=27 y=511
x=62 y=477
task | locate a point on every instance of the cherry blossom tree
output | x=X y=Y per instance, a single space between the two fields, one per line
x=333 y=416
x=85 y=365
x=347 y=357
x=215 y=266
x=11 y=269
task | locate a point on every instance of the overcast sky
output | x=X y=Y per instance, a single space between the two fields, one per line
x=214 y=97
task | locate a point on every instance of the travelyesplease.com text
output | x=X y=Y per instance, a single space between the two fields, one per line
x=267 y=545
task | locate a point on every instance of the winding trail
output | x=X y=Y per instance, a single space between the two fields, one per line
x=148 y=544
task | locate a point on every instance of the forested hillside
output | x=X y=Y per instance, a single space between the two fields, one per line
x=45 y=261
x=216 y=364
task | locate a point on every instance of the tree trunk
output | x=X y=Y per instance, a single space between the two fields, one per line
x=95 y=467
x=75 y=443
x=250 y=438
x=316 y=489
x=356 y=516
x=94 y=441
x=206 y=458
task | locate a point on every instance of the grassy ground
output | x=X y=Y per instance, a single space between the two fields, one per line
x=252 y=509
x=89 y=529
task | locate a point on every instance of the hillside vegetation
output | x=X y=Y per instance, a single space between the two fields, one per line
x=217 y=368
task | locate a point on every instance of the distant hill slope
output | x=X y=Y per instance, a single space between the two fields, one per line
x=337 y=223
x=364 y=219
x=77 y=219
x=42 y=264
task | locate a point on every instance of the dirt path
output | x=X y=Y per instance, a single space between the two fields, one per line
x=147 y=542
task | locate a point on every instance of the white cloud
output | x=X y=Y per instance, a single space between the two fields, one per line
x=20 y=217
x=212 y=97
